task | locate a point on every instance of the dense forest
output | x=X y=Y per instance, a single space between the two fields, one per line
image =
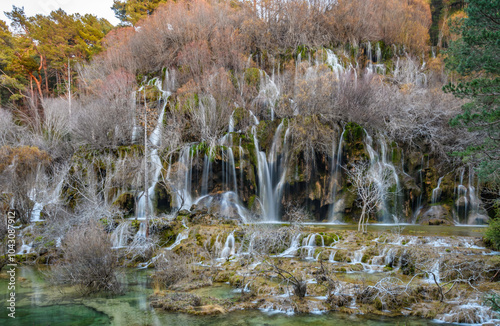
x=197 y=117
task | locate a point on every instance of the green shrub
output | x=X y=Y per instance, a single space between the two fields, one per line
x=492 y=234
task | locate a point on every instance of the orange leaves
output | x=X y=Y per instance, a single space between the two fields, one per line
x=23 y=160
x=403 y=22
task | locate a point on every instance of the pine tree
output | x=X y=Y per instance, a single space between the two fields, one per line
x=476 y=57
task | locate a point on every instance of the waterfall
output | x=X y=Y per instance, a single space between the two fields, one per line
x=229 y=247
x=462 y=202
x=141 y=233
x=294 y=246
x=265 y=186
x=418 y=206
x=378 y=53
x=25 y=248
x=35 y=212
x=271 y=172
x=436 y=192
x=181 y=236
x=119 y=236
x=378 y=169
x=333 y=61
x=473 y=196
x=153 y=156
x=434 y=270
x=334 y=213
x=230 y=201
x=358 y=256
x=184 y=199
x=268 y=92
x=207 y=171
x=331 y=258
x=309 y=244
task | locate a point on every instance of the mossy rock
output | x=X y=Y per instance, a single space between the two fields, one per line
x=125 y=202
x=162 y=198
x=252 y=77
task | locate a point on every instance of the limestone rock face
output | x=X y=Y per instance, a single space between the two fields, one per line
x=436 y=215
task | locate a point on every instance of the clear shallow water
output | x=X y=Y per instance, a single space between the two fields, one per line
x=39 y=303
x=408 y=229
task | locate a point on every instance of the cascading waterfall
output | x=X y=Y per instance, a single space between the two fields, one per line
x=119 y=236
x=462 y=202
x=436 y=192
x=333 y=61
x=265 y=186
x=229 y=247
x=335 y=211
x=378 y=169
x=271 y=172
x=153 y=157
x=184 y=199
x=294 y=247
x=268 y=92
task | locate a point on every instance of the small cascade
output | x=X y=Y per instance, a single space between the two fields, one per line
x=309 y=245
x=141 y=233
x=181 y=236
x=436 y=192
x=268 y=92
x=358 y=256
x=249 y=248
x=229 y=202
x=434 y=273
x=25 y=248
x=333 y=61
x=229 y=247
x=331 y=258
x=474 y=201
x=35 y=213
x=378 y=52
x=335 y=211
x=294 y=247
x=120 y=235
x=471 y=313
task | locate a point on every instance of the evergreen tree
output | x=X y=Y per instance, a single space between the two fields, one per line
x=476 y=57
x=131 y=11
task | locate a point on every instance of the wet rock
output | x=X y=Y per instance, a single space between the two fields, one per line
x=478 y=219
x=436 y=215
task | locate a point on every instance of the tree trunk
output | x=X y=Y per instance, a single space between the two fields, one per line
x=361 y=218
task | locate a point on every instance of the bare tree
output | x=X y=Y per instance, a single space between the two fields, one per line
x=371 y=188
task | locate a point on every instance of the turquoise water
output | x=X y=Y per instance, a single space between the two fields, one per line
x=39 y=303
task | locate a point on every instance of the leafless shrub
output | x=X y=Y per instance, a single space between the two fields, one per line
x=56 y=117
x=142 y=247
x=103 y=123
x=296 y=279
x=210 y=116
x=388 y=292
x=89 y=261
x=172 y=268
x=262 y=240
x=9 y=131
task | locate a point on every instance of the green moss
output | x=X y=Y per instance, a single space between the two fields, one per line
x=135 y=224
x=252 y=77
x=199 y=239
